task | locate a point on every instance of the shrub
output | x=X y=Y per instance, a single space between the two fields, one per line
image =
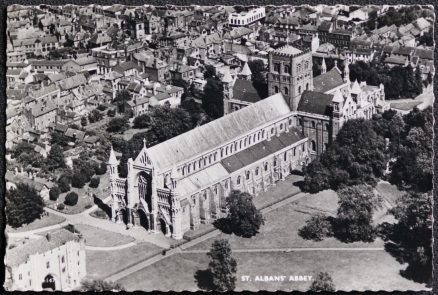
x=88 y=206
x=71 y=199
x=101 y=107
x=60 y=206
x=111 y=113
x=94 y=183
x=54 y=193
x=317 y=228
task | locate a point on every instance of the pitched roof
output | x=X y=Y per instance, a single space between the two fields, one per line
x=315 y=103
x=261 y=150
x=43 y=108
x=21 y=252
x=327 y=81
x=244 y=90
x=211 y=135
x=73 y=82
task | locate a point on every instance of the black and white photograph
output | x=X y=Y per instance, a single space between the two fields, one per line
x=219 y=148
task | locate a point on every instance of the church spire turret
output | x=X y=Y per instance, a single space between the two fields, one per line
x=323 y=66
x=346 y=71
x=112 y=164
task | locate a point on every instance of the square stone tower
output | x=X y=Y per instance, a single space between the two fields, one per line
x=290 y=72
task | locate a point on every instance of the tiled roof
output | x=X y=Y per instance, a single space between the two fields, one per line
x=244 y=90
x=217 y=132
x=315 y=103
x=21 y=252
x=261 y=150
x=73 y=82
x=327 y=81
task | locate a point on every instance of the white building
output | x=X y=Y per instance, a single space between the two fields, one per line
x=246 y=18
x=52 y=262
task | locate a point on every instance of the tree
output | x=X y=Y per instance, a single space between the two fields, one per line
x=212 y=101
x=243 y=217
x=166 y=123
x=71 y=199
x=102 y=169
x=418 y=80
x=94 y=183
x=258 y=77
x=23 y=205
x=355 y=213
x=122 y=96
x=142 y=121
x=118 y=124
x=412 y=168
x=54 y=193
x=411 y=238
x=101 y=285
x=323 y=282
x=222 y=266
x=84 y=121
x=356 y=156
x=55 y=158
x=78 y=179
x=64 y=184
x=210 y=72
x=95 y=116
x=317 y=228
x=59 y=139
x=195 y=111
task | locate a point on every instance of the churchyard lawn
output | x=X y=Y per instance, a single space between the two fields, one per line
x=349 y=270
x=101 y=264
x=348 y=263
x=98 y=237
x=46 y=220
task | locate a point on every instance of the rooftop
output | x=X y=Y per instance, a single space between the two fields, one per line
x=287 y=49
x=212 y=135
x=21 y=252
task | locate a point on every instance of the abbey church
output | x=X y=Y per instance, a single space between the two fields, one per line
x=183 y=182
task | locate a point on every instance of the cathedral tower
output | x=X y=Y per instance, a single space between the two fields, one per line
x=290 y=72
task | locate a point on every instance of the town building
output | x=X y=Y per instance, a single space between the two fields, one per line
x=55 y=261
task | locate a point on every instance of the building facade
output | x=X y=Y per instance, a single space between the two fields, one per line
x=175 y=186
x=52 y=262
x=290 y=72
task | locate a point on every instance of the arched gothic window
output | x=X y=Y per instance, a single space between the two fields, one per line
x=276 y=89
x=247 y=175
x=238 y=180
x=286 y=90
x=313 y=145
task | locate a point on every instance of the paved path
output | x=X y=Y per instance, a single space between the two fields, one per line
x=181 y=248
x=290 y=250
x=119 y=247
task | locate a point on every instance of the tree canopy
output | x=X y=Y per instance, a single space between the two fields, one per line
x=356 y=156
x=23 y=205
x=222 y=266
x=322 y=283
x=355 y=213
x=243 y=218
x=212 y=100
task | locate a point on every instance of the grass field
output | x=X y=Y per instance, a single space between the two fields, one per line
x=101 y=264
x=358 y=270
x=101 y=238
x=47 y=220
x=281 y=227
